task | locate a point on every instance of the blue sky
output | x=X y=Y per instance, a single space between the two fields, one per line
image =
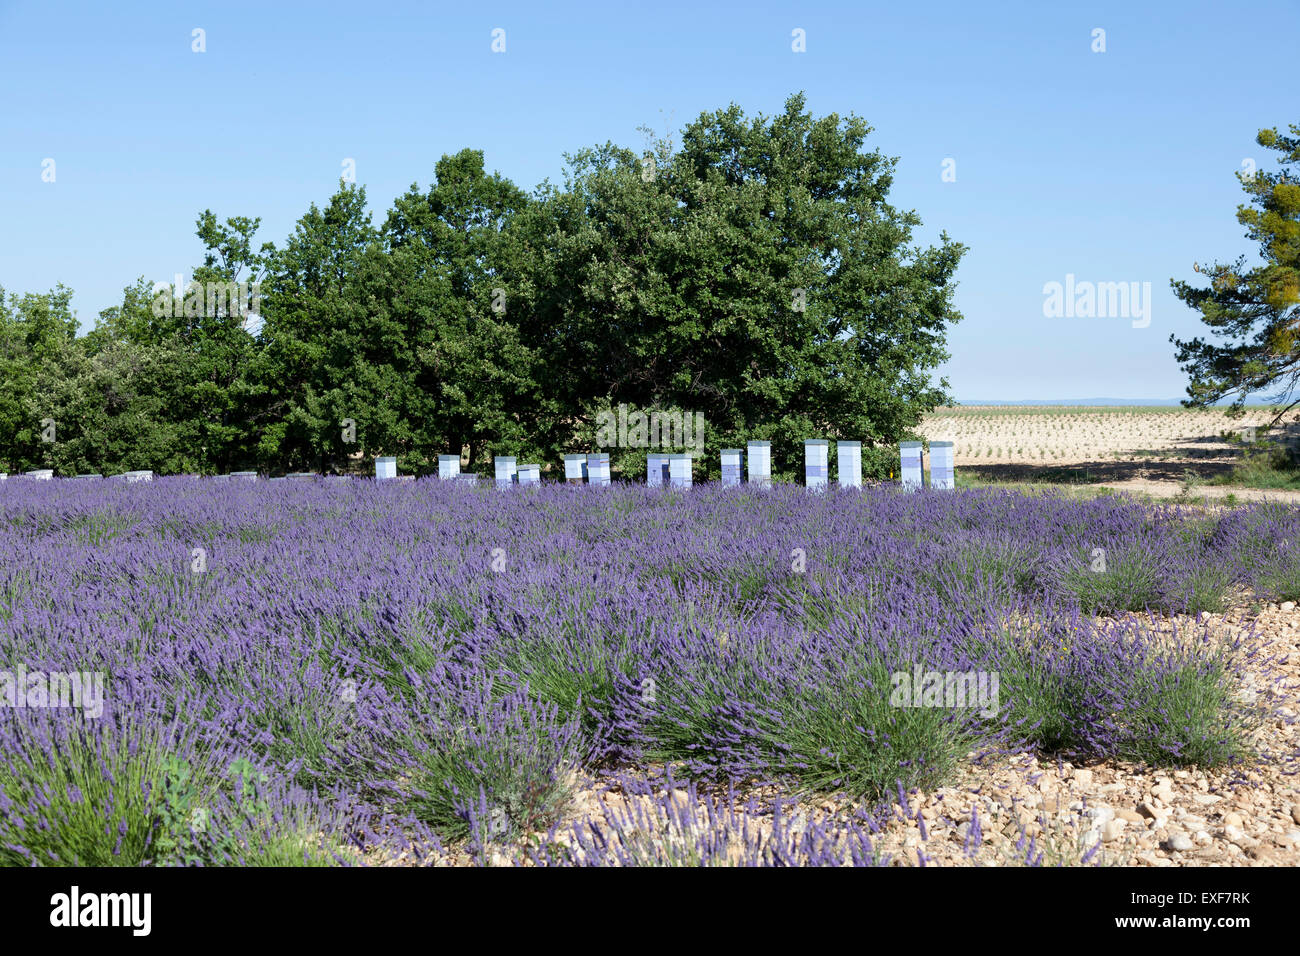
x=1111 y=167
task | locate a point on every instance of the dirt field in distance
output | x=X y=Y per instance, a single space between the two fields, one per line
x=1151 y=449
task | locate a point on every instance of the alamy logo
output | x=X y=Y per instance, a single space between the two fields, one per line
x=102 y=909
x=649 y=430
x=38 y=689
x=1098 y=300
x=951 y=689
x=209 y=299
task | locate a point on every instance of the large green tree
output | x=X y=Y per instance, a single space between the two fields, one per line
x=400 y=331
x=37 y=331
x=1252 y=312
x=757 y=275
x=449 y=283
x=206 y=327
x=221 y=344
x=119 y=392
x=323 y=386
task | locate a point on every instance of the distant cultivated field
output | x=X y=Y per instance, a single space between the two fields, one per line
x=1147 y=447
x=1074 y=435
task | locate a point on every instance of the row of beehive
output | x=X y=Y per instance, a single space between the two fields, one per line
x=675 y=470
x=672 y=469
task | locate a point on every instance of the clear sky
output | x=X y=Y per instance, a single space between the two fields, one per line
x=1113 y=166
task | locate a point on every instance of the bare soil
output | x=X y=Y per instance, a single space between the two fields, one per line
x=1152 y=451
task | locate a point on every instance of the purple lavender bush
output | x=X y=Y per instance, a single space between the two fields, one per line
x=406 y=662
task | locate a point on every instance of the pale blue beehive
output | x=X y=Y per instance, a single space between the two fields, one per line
x=909 y=453
x=941 y=466
x=575 y=469
x=656 y=468
x=760 y=463
x=849 y=455
x=731 y=458
x=816 y=462
x=506 y=470
x=679 y=471
x=598 y=469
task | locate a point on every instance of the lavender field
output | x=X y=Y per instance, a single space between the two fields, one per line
x=383 y=672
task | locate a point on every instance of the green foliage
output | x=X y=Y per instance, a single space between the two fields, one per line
x=1282 y=582
x=59 y=796
x=37 y=331
x=1209 y=589
x=178 y=815
x=852 y=739
x=1129 y=582
x=119 y=398
x=1186 y=715
x=190 y=833
x=1266 y=466
x=758 y=277
x=491 y=782
x=1188 y=718
x=1252 y=311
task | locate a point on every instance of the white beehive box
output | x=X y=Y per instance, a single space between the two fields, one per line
x=816 y=463
x=598 y=469
x=731 y=465
x=656 y=466
x=506 y=469
x=941 y=466
x=760 y=463
x=849 y=455
x=909 y=453
x=575 y=469
x=679 y=471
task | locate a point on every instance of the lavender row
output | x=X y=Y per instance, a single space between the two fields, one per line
x=382 y=662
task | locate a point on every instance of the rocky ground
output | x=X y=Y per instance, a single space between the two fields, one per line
x=1248 y=816
x=1109 y=813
